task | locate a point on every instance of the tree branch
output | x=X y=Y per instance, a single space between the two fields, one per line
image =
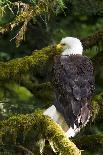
x=97 y=108
x=89 y=142
x=46 y=127
x=92 y=40
x=14 y=69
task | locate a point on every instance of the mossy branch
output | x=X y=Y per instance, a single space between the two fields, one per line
x=14 y=69
x=47 y=128
x=97 y=108
x=89 y=142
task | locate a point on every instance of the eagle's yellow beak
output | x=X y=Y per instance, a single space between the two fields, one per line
x=59 y=46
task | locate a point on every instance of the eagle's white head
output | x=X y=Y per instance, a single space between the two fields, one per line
x=71 y=45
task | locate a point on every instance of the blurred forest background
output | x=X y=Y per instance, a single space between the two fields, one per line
x=29 y=25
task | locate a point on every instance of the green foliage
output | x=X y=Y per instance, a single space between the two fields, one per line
x=17 y=100
x=27 y=12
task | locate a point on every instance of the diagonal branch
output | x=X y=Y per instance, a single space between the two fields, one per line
x=47 y=127
x=14 y=69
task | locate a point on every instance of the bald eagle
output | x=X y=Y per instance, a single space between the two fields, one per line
x=73 y=81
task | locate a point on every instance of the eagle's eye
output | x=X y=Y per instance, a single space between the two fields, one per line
x=63 y=44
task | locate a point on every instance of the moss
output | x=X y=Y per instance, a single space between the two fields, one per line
x=14 y=69
x=46 y=127
x=97 y=108
x=56 y=134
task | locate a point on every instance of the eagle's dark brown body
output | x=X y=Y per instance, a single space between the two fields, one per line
x=73 y=81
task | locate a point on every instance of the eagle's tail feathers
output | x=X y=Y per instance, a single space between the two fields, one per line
x=72 y=132
x=85 y=114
